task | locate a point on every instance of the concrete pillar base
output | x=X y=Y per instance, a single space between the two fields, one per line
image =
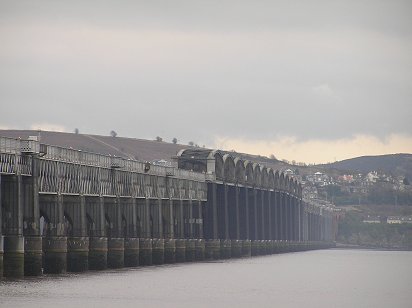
x=236 y=248
x=115 y=252
x=1 y=255
x=246 y=248
x=212 y=249
x=77 y=254
x=158 y=251
x=131 y=252
x=200 y=250
x=145 y=251
x=180 y=250
x=225 y=249
x=33 y=255
x=97 y=253
x=55 y=254
x=170 y=251
x=255 y=248
x=13 y=258
x=190 y=254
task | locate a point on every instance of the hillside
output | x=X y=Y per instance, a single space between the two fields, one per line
x=139 y=149
x=395 y=164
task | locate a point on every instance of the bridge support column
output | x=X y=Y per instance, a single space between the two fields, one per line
x=180 y=250
x=170 y=250
x=158 y=251
x=98 y=247
x=246 y=248
x=131 y=252
x=236 y=248
x=98 y=243
x=200 y=249
x=145 y=251
x=54 y=242
x=55 y=254
x=212 y=249
x=31 y=227
x=190 y=253
x=12 y=203
x=1 y=250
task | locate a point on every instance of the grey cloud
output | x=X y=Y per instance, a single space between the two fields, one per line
x=195 y=70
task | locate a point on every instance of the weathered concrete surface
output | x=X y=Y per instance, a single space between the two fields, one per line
x=180 y=250
x=33 y=255
x=55 y=254
x=170 y=251
x=131 y=252
x=212 y=249
x=77 y=254
x=98 y=253
x=158 y=251
x=115 y=253
x=145 y=251
x=13 y=259
x=200 y=250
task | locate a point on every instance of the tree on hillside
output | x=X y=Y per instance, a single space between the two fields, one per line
x=174 y=140
x=76 y=131
x=191 y=143
x=159 y=139
x=113 y=133
x=406 y=181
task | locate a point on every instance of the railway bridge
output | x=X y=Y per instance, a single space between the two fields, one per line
x=68 y=210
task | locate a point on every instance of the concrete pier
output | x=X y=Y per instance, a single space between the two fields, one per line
x=145 y=251
x=170 y=251
x=1 y=255
x=33 y=255
x=180 y=250
x=54 y=254
x=190 y=253
x=115 y=253
x=98 y=253
x=236 y=248
x=131 y=252
x=13 y=259
x=200 y=250
x=246 y=249
x=225 y=249
x=77 y=254
x=158 y=251
x=255 y=248
x=212 y=249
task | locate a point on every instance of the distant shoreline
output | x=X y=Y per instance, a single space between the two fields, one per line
x=353 y=246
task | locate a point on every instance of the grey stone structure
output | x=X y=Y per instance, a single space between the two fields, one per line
x=69 y=210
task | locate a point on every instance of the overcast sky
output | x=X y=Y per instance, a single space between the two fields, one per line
x=311 y=81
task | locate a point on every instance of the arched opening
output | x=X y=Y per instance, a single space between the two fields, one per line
x=249 y=173
x=44 y=224
x=240 y=172
x=229 y=168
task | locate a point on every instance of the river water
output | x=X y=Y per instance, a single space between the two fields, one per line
x=324 y=278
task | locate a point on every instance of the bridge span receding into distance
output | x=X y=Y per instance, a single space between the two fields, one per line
x=69 y=210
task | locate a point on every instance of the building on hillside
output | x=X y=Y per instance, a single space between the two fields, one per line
x=393 y=220
x=372 y=220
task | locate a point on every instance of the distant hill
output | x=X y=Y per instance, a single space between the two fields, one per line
x=395 y=164
x=139 y=149
x=133 y=148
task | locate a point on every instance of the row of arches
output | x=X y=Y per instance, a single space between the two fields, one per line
x=233 y=169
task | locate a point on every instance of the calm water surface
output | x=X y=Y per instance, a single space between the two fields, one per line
x=327 y=278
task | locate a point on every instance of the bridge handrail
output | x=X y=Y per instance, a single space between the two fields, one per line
x=10 y=145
